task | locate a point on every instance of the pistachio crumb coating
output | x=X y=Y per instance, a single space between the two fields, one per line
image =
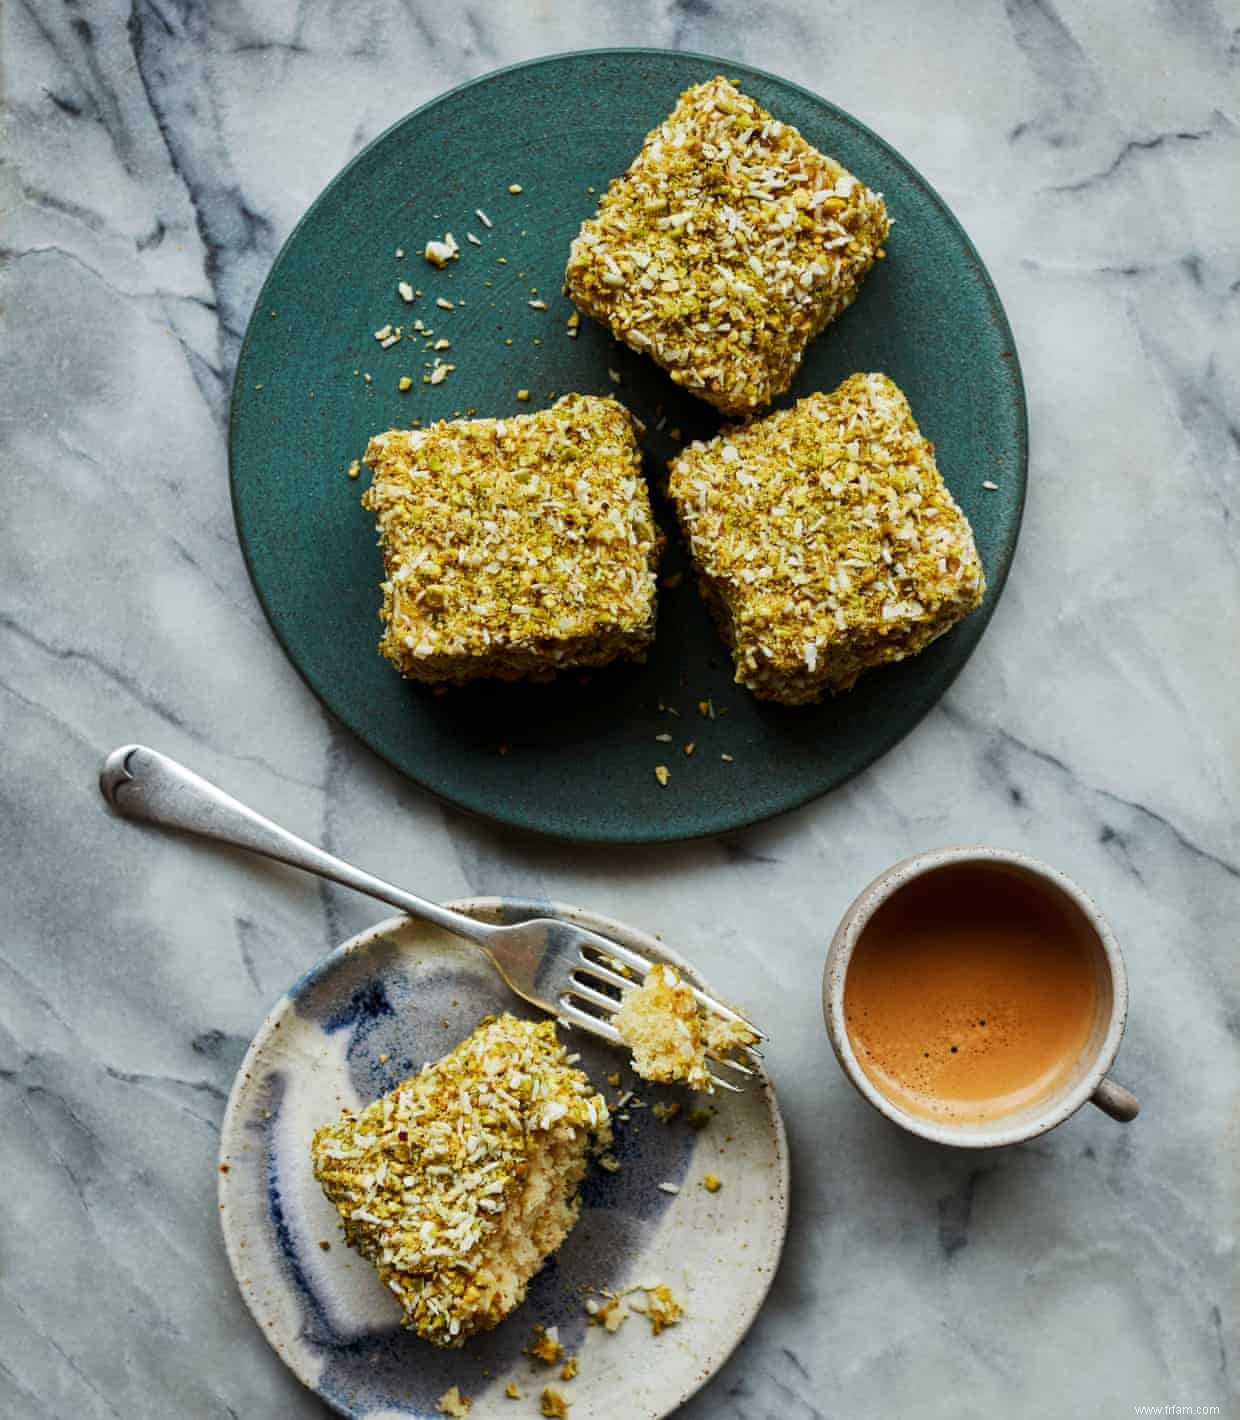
x=514 y=547
x=459 y=1183
x=670 y=1034
x=726 y=247
x=825 y=540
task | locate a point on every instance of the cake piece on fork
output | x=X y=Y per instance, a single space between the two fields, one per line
x=670 y=1034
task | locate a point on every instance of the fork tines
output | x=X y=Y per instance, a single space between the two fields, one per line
x=598 y=981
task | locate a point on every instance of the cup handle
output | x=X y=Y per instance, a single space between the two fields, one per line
x=1116 y=1101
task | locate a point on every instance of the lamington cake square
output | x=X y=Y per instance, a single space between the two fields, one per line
x=514 y=547
x=726 y=247
x=825 y=540
x=458 y=1184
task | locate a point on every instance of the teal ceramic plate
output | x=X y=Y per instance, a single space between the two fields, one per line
x=570 y=758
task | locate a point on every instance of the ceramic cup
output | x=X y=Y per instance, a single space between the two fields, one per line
x=1087 y=1082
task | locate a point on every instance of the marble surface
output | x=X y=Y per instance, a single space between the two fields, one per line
x=156 y=155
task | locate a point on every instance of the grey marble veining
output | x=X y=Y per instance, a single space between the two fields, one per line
x=156 y=155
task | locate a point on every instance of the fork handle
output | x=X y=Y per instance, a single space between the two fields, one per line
x=141 y=783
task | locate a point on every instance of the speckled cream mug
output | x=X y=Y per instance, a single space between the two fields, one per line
x=1085 y=1079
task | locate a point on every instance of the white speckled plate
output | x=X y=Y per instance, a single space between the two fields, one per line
x=373 y=1012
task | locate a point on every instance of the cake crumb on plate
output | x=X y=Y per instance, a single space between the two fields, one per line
x=555 y=1403
x=452 y=1402
x=546 y=1345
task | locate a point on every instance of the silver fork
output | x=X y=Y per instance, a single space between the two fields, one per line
x=563 y=969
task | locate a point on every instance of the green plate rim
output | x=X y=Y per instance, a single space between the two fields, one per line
x=656 y=834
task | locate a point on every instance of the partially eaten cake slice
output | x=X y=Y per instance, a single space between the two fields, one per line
x=459 y=1184
x=670 y=1034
